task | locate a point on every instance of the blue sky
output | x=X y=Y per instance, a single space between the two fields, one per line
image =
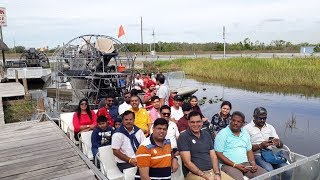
x=39 y=23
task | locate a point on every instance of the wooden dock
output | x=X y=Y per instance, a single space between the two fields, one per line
x=40 y=150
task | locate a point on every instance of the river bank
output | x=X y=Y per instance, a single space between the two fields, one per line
x=282 y=75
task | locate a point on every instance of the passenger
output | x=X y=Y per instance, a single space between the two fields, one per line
x=206 y=124
x=101 y=135
x=138 y=83
x=197 y=152
x=163 y=91
x=172 y=94
x=172 y=131
x=234 y=150
x=183 y=122
x=154 y=158
x=110 y=111
x=142 y=118
x=125 y=142
x=84 y=119
x=195 y=107
x=154 y=113
x=176 y=110
x=135 y=92
x=222 y=118
x=264 y=137
x=126 y=104
x=117 y=123
x=150 y=92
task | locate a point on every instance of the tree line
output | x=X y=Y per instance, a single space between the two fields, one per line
x=245 y=45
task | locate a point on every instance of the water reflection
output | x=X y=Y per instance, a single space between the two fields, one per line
x=295 y=117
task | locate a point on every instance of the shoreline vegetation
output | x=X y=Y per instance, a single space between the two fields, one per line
x=280 y=75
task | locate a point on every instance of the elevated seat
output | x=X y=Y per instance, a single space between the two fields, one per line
x=108 y=163
x=85 y=144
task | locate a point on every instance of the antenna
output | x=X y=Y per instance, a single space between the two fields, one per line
x=224 y=41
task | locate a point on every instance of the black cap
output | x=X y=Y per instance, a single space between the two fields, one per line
x=186 y=107
x=259 y=111
x=178 y=98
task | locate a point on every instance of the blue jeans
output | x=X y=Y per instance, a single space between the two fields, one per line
x=269 y=167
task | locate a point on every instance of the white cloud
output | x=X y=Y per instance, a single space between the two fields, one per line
x=52 y=22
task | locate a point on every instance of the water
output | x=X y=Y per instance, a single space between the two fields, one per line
x=303 y=138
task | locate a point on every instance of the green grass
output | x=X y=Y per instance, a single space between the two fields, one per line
x=17 y=111
x=276 y=73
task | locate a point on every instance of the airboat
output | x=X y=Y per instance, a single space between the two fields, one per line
x=32 y=65
x=91 y=66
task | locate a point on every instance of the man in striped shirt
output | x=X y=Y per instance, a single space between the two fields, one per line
x=154 y=156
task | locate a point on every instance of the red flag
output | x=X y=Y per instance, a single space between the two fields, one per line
x=121 y=31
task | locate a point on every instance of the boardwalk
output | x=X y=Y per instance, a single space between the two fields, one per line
x=40 y=150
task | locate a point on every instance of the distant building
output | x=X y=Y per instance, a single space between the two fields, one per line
x=307 y=49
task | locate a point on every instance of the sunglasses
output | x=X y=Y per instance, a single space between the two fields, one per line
x=261 y=118
x=166 y=114
x=127 y=97
x=109 y=100
x=83 y=104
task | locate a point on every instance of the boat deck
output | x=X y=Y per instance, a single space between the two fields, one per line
x=40 y=150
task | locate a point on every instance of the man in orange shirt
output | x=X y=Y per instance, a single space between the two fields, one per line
x=154 y=156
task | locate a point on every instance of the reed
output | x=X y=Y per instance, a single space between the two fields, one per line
x=277 y=72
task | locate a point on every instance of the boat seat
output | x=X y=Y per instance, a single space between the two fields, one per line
x=178 y=175
x=85 y=144
x=66 y=121
x=66 y=124
x=108 y=163
x=129 y=174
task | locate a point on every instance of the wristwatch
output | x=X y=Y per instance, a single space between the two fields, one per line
x=217 y=173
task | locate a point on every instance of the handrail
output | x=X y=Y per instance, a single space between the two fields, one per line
x=298 y=163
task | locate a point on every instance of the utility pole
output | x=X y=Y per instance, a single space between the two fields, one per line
x=2 y=51
x=141 y=37
x=224 y=42
x=154 y=41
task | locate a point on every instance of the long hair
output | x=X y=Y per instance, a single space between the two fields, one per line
x=87 y=109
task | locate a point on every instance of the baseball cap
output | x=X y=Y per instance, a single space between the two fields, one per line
x=178 y=98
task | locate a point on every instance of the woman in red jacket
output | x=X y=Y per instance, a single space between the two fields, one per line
x=84 y=119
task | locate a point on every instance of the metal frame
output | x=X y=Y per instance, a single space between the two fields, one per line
x=87 y=60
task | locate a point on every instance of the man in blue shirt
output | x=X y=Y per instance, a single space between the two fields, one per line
x=234 y=150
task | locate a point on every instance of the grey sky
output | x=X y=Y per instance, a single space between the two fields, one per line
x=38 y=23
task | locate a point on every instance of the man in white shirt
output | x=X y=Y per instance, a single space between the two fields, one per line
x=138 y=83
x=163 y=92
x=263 y=137
x=126 y=104
x=125 y=142
x=173 y=132
x=176 y=110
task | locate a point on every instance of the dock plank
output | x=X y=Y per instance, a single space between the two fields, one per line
x=18 y=169
x=89 y=175
x=40 y=150
x=36 y=147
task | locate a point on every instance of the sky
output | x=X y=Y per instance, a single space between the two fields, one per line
x=40 y=23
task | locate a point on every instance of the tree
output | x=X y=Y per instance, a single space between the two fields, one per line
x=19 y=49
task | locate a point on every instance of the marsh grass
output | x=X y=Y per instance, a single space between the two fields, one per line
x=276 y=73
x=18 y=110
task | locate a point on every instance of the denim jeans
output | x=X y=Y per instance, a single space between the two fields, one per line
x=269 y=167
